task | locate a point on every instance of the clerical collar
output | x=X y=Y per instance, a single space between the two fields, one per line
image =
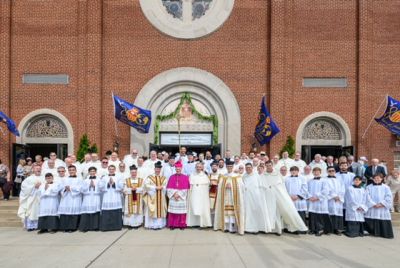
x=294 y=176
x=72 y=176
x=317 y=178
x=330 y=176
x=355 y=186
x=111 y=175
x=343 y=172
x=92 y=177
x=189 y=162
x=377 y=183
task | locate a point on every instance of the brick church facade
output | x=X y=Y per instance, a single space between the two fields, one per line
x=324 y=66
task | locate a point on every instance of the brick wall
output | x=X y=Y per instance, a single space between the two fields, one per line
x=265 y=47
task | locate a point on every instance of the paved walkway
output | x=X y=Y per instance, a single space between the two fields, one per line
x=193 y=248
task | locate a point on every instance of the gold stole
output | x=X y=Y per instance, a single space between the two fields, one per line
x=134 y=205
x=236 y=201
x=158 y=181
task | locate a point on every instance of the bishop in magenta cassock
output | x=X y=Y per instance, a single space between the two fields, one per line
x=177 y=191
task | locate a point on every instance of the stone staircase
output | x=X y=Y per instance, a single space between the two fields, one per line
x=8 y=213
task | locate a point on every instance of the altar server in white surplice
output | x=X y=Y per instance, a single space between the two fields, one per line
x=356 y=207
x=378 y=221
x=71 y=201
x=29 y=201
x=198 y=199
x=335 y=201
x=296 y=185
x=91 y=203
x=111 y=206
x=49 y=201
x=318 y=189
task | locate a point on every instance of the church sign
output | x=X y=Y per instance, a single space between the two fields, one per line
x=188 y=139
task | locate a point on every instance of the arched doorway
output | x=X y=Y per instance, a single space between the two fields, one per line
x=209 y=95
x=323 y=133
x=44 y=131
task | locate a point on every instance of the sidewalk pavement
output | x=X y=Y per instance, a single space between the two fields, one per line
x=193 y=248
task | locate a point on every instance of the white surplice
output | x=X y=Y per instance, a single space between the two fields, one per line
x=71 y=201
x=336 y=189
x=298 y=186
x=49 y=200
x=379 y=194
x=198 y=201
x=112 y=194
x=91 y=202
x=356 y=198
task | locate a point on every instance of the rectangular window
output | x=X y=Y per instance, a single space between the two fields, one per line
x=324 y=82
x=58 y=79
x=397 y=160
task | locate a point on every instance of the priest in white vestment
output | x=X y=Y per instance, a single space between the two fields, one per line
x=29 y=200
x=255 y=211
x=229 y=212
x=155 y=204
x=285 y=207
x=198 y=199
x=133 y=190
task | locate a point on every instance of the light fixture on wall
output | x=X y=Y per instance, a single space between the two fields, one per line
x=116 y=146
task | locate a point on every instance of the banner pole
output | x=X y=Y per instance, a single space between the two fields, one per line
x=115 y=119
x=370 y=123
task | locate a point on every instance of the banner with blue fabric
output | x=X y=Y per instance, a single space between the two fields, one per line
x=391 y=118
x=266 y=127
x=134 y=116
x=10 y=124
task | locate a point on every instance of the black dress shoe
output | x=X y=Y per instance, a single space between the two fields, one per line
x=42 y=231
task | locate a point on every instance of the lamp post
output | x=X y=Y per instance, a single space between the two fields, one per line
x=178 y=117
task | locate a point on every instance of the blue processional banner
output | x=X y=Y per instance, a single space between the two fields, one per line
x=134 y=116
x=10 y=124
x=391 y=118
x=266 y=128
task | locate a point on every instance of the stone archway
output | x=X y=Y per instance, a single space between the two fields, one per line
x=205 y=88
x=46 y=126
x=323 y=129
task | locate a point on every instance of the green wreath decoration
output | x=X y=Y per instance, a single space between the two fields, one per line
x=185 y=98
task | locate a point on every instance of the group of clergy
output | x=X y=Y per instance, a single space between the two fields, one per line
x=259 y=200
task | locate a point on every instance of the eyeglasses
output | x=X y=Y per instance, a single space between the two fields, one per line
x=105 y=162
x=61 y=171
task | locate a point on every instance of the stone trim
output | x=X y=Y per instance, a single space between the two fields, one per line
x=341 y=124
x=204 y=87
x=24 y=124
x=215 y=17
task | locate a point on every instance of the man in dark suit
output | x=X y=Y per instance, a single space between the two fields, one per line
x=373 y=169
x=330 y=163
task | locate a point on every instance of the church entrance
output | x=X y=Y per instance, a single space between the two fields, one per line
x=194 y=103
x=45 y=131
x=323 y=133
x=46 y=148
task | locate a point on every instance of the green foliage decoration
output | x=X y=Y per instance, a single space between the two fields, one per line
x=185 y=98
